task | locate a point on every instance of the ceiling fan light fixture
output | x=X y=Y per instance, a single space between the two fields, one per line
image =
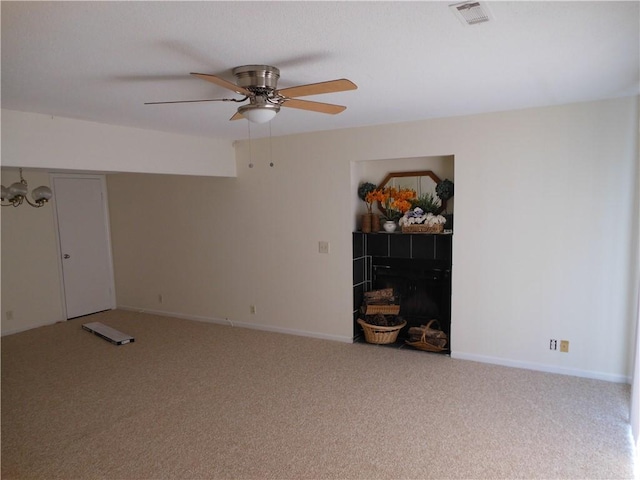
x=261 y=113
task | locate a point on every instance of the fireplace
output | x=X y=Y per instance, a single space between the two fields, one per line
x=416 y=266
x=424 y=290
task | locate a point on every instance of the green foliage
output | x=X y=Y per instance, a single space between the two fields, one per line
x=392 y=215
x=444 y=189
x=427 y=202
x=364 y=188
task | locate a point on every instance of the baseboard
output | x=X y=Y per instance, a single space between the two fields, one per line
x=30 y=327
x=608 y=377
x=233 y=323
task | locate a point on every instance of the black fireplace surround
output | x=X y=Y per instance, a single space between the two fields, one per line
x=418 y=268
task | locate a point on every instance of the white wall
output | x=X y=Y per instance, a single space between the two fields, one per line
x=53 y=144
x=542 y=246
x=634 y=414
x=31 y=285
x=42 y=141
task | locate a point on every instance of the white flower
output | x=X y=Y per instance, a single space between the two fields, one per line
x=411 y=218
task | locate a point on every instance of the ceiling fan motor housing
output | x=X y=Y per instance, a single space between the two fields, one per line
x=257 y=77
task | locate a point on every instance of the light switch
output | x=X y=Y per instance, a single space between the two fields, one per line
x=323 y=247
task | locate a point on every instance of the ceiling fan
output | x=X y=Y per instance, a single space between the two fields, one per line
x=258 y=84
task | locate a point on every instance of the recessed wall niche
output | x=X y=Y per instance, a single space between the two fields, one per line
x=375 y=170
x=407 y=249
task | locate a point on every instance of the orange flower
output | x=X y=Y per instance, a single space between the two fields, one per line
x=397 y=201
x=375 y=196
x=401 y=205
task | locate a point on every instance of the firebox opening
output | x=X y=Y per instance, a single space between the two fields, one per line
x=424 y=289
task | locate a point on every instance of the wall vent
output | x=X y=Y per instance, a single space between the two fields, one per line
x=471 y=13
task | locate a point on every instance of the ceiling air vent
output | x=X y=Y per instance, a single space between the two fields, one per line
x=471 y=13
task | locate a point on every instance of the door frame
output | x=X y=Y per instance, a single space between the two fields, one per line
x=107 y=224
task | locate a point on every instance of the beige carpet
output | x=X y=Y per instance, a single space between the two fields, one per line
x=193 y=400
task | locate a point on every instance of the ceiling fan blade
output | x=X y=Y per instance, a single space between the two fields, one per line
x=236 y=116
x=194 y=101
x=314 y=106
x=221 y=82
x=331 y=86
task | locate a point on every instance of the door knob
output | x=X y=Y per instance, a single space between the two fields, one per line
x=66 y=255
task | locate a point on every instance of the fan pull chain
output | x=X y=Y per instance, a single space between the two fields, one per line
x=250 y=146
x=270 y=148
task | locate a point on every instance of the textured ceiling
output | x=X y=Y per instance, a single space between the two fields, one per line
x=100 y=61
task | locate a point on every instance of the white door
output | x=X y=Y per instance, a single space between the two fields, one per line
x=85 y=246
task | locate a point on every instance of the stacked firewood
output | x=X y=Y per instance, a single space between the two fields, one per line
x=383 y=296
x=380 y=308
x=381 y=320
x=427 y=334
x=380 y=301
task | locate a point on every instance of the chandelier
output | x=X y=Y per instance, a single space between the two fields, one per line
x=16 y=194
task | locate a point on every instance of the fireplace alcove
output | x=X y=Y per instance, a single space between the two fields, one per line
x=417 y=266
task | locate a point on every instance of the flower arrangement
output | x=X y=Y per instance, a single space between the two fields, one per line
x=363 y=191
x=417 y=216
x=394 y=201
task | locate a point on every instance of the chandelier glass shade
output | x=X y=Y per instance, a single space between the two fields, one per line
x=17 y=194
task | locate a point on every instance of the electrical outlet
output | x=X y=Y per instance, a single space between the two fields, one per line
x=252 y=309
x=9 y=314
x=564 y=346
x=553 y=344
x=160 y=298
x=323 y=247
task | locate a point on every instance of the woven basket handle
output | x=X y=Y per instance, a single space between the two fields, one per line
x=424 y=332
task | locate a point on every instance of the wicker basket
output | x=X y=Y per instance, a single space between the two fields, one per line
x=439 y=228
x=380 y=335
x=425 y=342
